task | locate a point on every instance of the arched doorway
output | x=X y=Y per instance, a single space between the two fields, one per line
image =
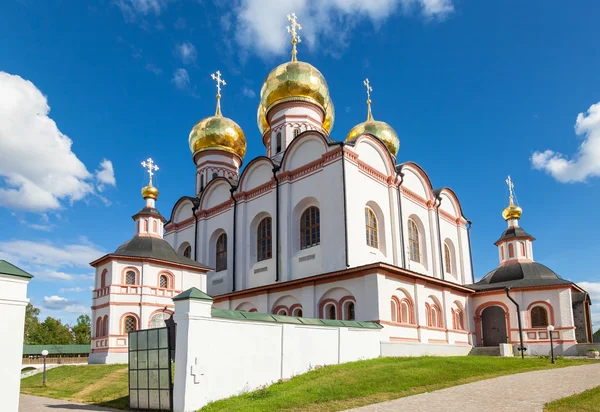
x=493 y=321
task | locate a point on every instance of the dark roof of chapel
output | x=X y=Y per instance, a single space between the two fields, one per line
x=519 y=275
x=149 y=211
x=155 y=248
x=514 y=232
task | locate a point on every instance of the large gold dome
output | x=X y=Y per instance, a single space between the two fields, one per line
x=381 y=130
x=218 y=133
x=512 y=211
x=295 y=81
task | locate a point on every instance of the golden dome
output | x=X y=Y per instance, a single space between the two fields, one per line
x=381 y=130
x=295 y=81
x=150 y=191
x=218 y=133
x=512 y=211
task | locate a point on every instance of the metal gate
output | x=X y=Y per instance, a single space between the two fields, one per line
x=150 y=379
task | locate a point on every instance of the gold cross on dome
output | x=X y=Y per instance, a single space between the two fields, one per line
x=219 y=82
x=369 y=89
x=293 y=30
x=149 y=165
x=510 y=186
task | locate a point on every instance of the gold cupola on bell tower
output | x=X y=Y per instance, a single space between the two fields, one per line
x=512 y=211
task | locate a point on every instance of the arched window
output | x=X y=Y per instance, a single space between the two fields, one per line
x=349 y=311
x=310 y=230
x=264 y=241
x=522 y=247
x=511 y=250
x=103 y=279
x=158 y=319
x=434 y=317
x=404 y=312
x=130 y=277
x=282 y=312
x=502 y=252
x=447 y=259
x=330 y=311
x=458 y=322
x=145 y=225
x=202 y=182
x=296 y=131
x=539 y=317
x=163 y=281
x=221 y=260
x=155 y=226
x=278 y=142
x=394 y=310
x=129 y=324
x=215 y=175
x=105 y=326
x=98 y=327
x=187 y=252
x=413 y=241
x=371 y=228
x=297 y=312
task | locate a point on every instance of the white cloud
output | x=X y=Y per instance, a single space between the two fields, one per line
x=248 y=92
x=131 y=8
x=181 y=79
x=260 y=24
x=154 y=69
x=60 y=275
x=76 y=289
x=58 y=303
x=38 y=169
x=586 y=162
x=105 y=175
x=186 y=51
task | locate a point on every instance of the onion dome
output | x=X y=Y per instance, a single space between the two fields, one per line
x=512 y=211
x=150 y=192
x=295 y=81
x=379 y=129
x=218 y=132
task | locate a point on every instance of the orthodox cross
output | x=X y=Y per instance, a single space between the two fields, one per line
x=293 y=30
x=149 y=165
x=510 y=187
x=219 y=82
x=369 y=90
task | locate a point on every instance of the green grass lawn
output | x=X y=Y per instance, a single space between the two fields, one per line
x=361 y=383
x=326 y=389
x=588 y=401
x=104 y=385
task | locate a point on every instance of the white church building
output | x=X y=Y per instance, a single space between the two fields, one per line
x=331 y=227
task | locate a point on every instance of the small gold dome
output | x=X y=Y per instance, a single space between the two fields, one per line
x=295 y=81
x=512 y=212
x=150 y=191
x=381 y=130
x=219 y=133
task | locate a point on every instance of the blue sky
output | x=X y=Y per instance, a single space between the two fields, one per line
x=476 y=91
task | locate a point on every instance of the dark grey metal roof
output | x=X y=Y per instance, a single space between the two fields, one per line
x=513 y=232
x=152 y=247
x=149 y=211
x=519 y=275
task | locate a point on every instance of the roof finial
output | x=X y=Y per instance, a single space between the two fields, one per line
x=150 y=167
x=513 y=212
x=293 y=30
x=510 y=189
x=150 y=193
x=369 y=90
x=220 y=82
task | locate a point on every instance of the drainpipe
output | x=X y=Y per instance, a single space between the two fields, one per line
x=437 y=213
x=234 y=234
x=345 y=208
x=470 y=250
x=196 y=205
x=522 y=349
x=277 y=249
x=401 y=176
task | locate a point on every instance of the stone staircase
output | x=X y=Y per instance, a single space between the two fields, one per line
x=485 y=351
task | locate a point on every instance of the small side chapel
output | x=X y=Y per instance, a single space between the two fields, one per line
x=332 y=229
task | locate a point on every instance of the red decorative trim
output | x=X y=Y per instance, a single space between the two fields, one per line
x=122 y=322
x=156 y=305
x=397 y=339
x=170 y=312
x=276 y=310
x=409 y=194
x=170 y=280
x=161 y=262
x=478 y=323
x=545 y=305
x=124 y=274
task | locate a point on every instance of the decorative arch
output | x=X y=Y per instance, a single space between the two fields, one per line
x=453 y=199
x=211 y=189
x=420 y=174
x=177 y=212
x=288 y=304
x=250 y=169
x=402 y=303
x=433 y=310
x=374 y=142
x=311 y=135
x=124 y=276
x=544 y=305
x=170 y=278
x=458 y=316
x=164 y=315
x=185 y=249
x=124 y=322
x=246 y=307
x=340 y=299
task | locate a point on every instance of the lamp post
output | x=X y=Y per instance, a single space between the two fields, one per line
x=550 y=328
x=44 y=354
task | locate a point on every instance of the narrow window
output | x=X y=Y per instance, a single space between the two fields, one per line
x=105 y=326
x=130 y=278
x=298 y=312
x=522 y=247
x=129 y=324
x=264 y=240
x=155 y=226
x=501 y=252
x=413 y=241
x=164 y=281
x=201 y=182
x=187 y=252
x=221 y=261
x=296 y=131
x=145 y=226
x=215 y=175
x=371 y=228
x=447 y=259
x=330 y=312
x=394 y=310
x=405 y=314
x=98 y=327
x=282 y=312
x=350 y=311
x=434 y=317
x=511 y=250
x=310 y=230
x=103 y=279
x=539 y=317
x=278 y=141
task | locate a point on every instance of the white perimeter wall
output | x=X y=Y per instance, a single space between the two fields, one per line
x=226 y=357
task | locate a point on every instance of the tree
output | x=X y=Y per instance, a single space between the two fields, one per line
x=82 y=331
x=51 y=332
x=31 y=322
x=596 y=336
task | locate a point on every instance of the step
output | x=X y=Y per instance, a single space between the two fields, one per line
x=485 y=351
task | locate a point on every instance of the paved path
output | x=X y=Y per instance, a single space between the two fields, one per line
x=523 y=392
x=28 y=403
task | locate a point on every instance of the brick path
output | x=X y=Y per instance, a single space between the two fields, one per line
x=523 y=392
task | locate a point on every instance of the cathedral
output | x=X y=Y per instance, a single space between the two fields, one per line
x=330 y=227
